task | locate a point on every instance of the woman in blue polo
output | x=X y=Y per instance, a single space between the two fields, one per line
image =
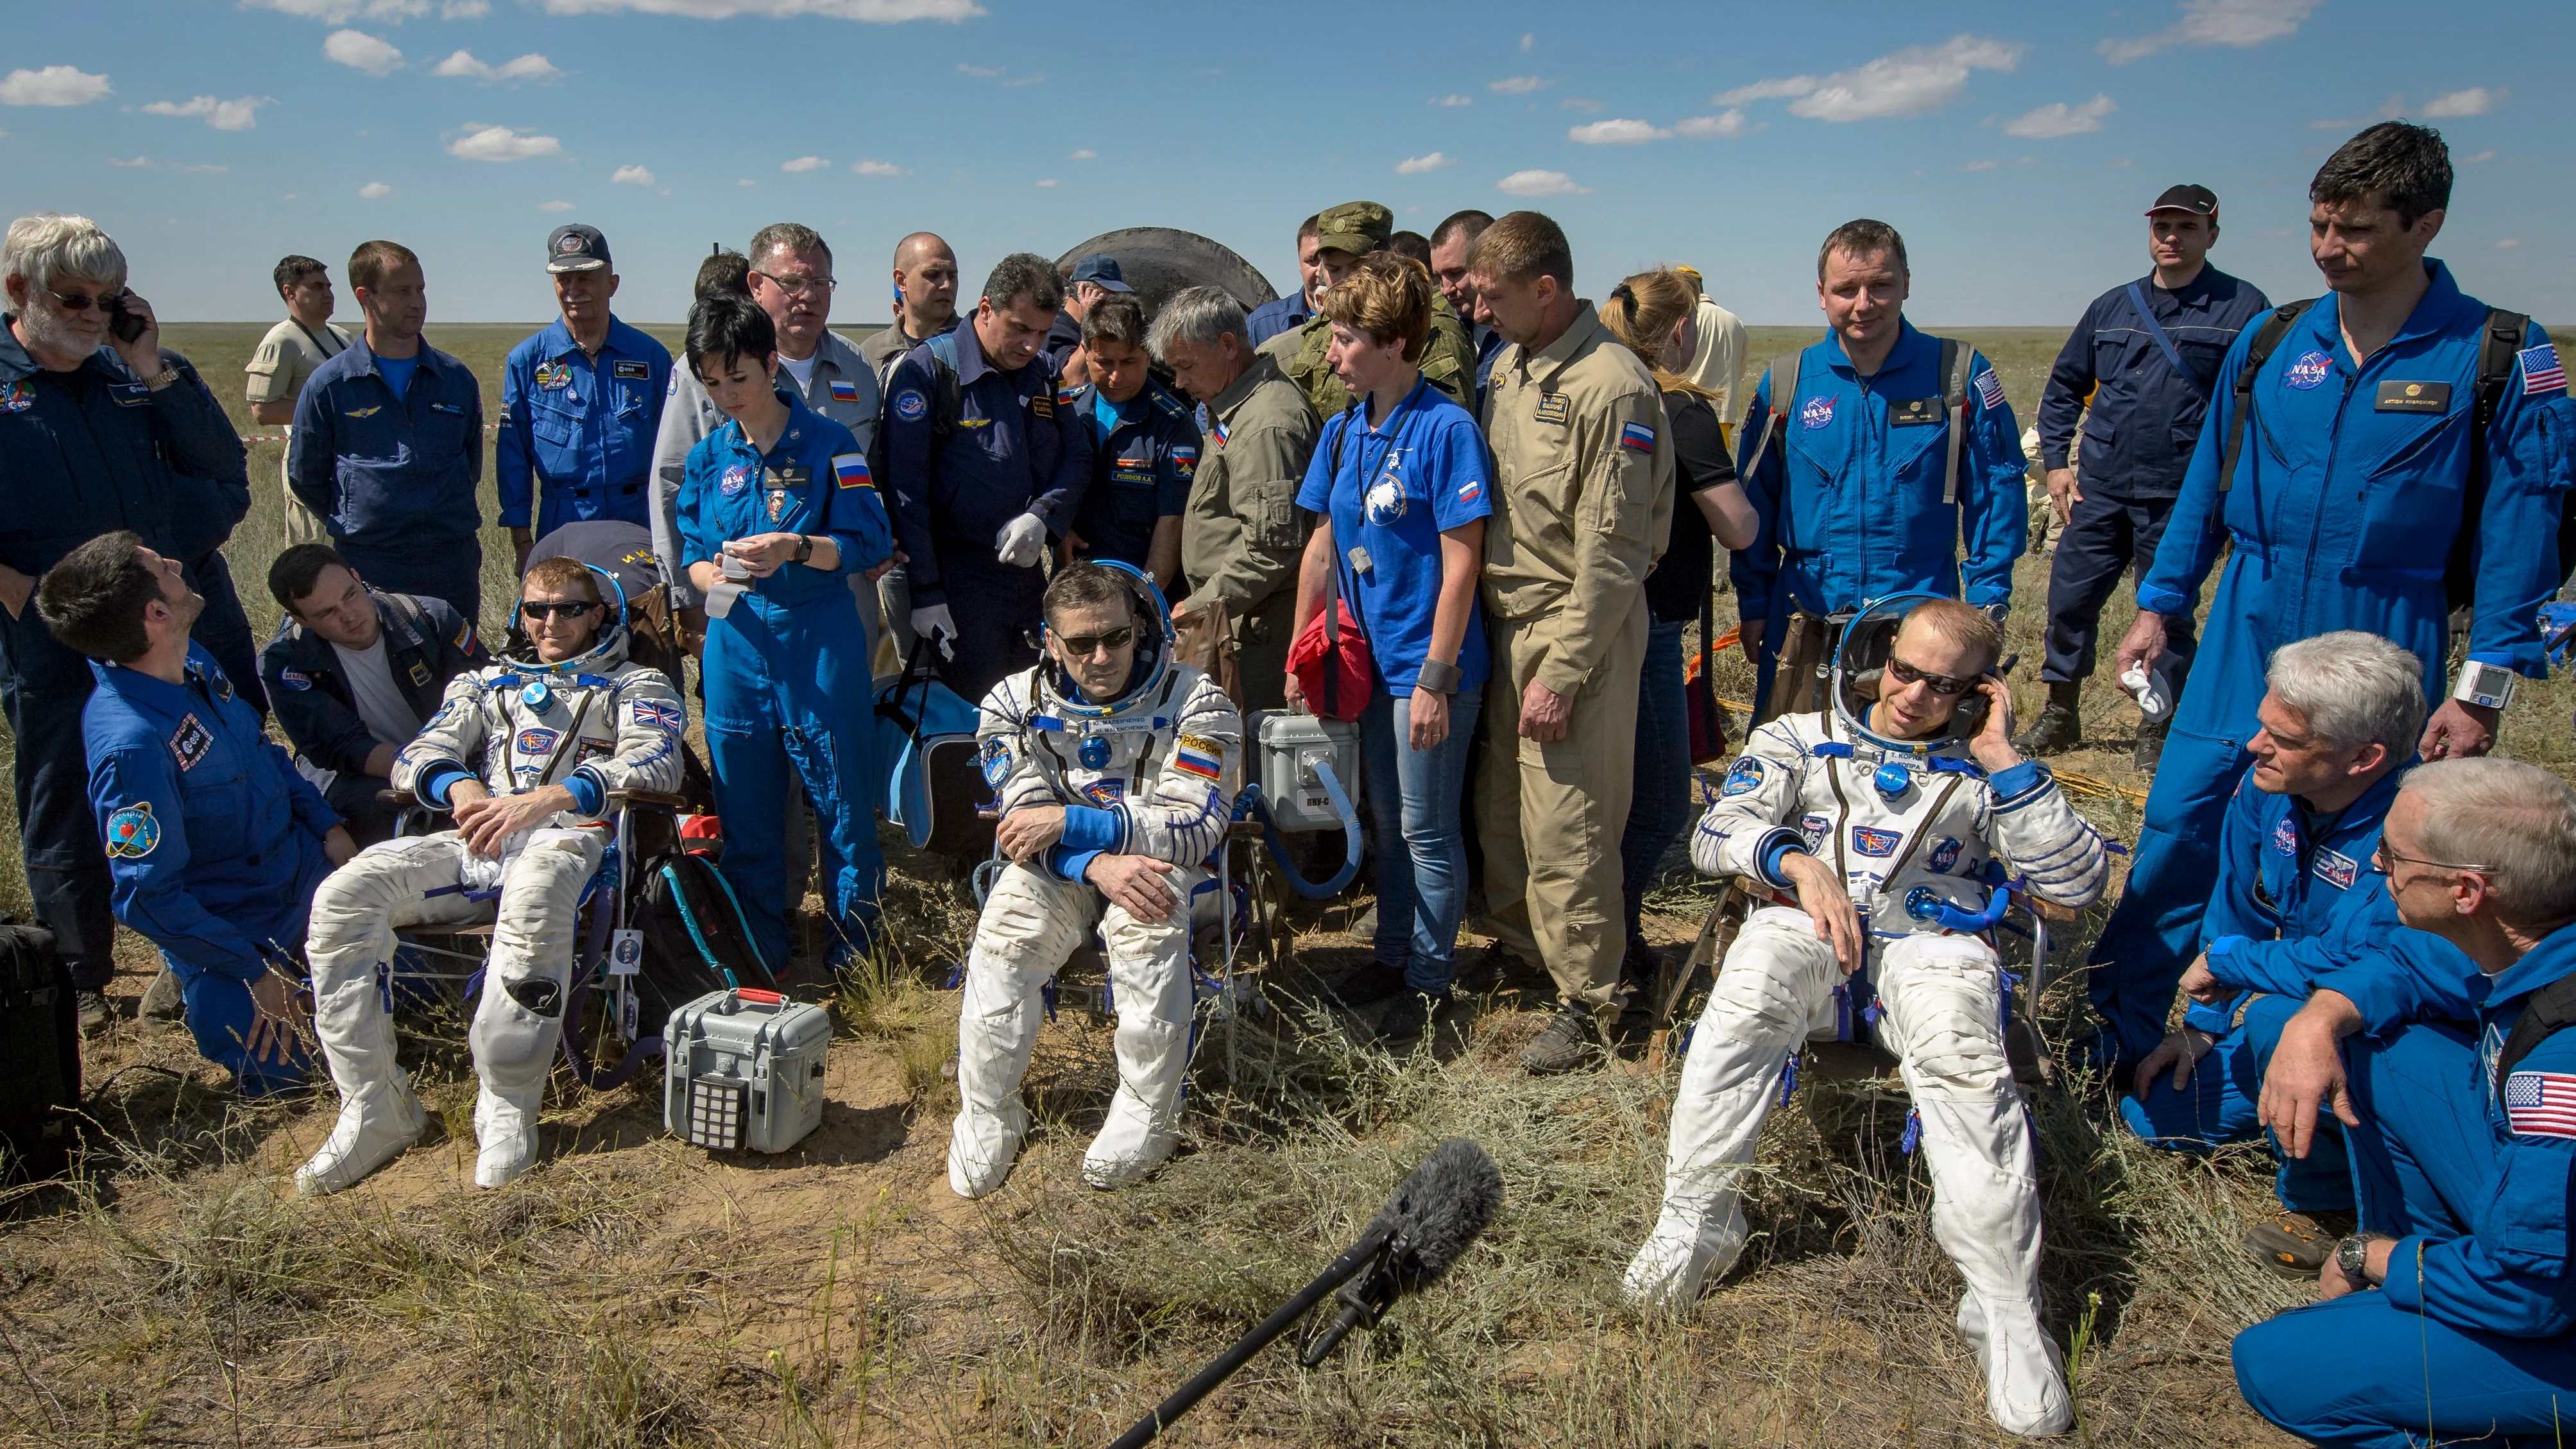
x=1405 y=486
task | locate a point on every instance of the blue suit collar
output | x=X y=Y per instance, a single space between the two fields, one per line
x=971 y=361
x=557 y=339
x=1908 y=342
x=362 y=358
x=2554 y=957
x=800 y=423
x=2436 y=312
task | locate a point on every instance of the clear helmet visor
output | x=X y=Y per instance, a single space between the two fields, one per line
x=1860 y=672
x=1153 y=620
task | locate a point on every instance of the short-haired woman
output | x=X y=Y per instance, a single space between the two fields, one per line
x=776 y=511
x=1405 y=486
x=1654 y=314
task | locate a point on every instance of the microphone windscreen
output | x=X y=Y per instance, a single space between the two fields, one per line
x=1440 y=1209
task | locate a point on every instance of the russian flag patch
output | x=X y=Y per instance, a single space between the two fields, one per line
x=1217 y=426
x=846 y=392
x=2542 y=371
x=1471 y=490
x=850 y=470
x=1203 y=758
x=1637 y=436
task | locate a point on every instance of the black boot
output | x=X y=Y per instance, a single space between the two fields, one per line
x=2059 y=728
x=2150 y=749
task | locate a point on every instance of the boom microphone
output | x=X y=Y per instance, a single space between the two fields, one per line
x=1411 y=1242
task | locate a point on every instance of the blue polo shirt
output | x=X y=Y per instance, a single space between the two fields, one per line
x=1391 y=491
x=583 y=427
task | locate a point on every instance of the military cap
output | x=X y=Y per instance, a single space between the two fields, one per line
x=1357 y=227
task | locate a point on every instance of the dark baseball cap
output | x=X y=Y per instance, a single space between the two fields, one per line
x=2198 y=200
x=1357 y=227
x=1101 y=270
x=576 y=248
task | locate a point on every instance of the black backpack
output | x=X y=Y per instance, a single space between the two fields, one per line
x=40 y=1072
x=695 y=938
x=2499 y=350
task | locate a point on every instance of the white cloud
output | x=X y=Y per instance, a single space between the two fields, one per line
x=1453 y=100
x=2475 y=101
x=240 y=115
x=204 y=168
x=1724 y=126
x=1518 y=85
x=500 y=143
x=804 y=163
x=531 y=66
x=2389 y=110
x=2057 y=118
x=465 y=9
x=1540 y=183
x=986 y=71
x=554 y=206
x=1043 y=185
x=2478 y=159
x=2238 y=23
x=1616 y=133
x=2508 y=244
x=1416 y=165
x=375 y=191
x=632 y=176
x=1024 y=80
x=874 y=167
x=357 y=49
x=1085 y=154
x=1526 y=42
x=1906 y=82
x=1981 y=166
x=745 y=181
x=869 y=12
x=55 y=85
x=1769 y=90
x=341 y=12
x=129 y=162
x=1579 y=103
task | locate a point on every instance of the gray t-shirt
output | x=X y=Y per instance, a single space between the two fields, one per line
x=386 y=713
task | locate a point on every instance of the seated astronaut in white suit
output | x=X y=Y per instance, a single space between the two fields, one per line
x=1113 y=767
x=527 y=754
x=1890 y=819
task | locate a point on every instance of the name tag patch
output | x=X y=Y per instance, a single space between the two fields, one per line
x=2414 y=397
x=190 y=742
x=1553 y=407
x=1914 y=412
x=631 y=371
x=1042 y=404
x=419 y=672
x=130 y=394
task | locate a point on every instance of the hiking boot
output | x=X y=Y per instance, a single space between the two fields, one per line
x=2150 y=748
x=1494 y=965
x=95 y=1012
x=2297 y=1245
x=1567 y=1044
x=1369 y=985
x=162 y=1000
x=1410 y=1016
x=2057 y=730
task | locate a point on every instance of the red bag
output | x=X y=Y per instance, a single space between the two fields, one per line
x=1699 y=689
x=1331 y=659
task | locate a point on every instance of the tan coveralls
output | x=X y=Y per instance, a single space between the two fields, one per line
x=1242 y=537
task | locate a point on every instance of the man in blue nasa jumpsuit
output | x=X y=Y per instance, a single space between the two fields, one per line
x=2450 y=1316
x=214 y=842
x=984 y=466
x=2350 y=487
x=2296 y=897
x=97 y=433
x=581 y=404
x=1869 y=477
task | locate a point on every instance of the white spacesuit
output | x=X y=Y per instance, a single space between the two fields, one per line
x=1151 y=774
x=1922 y=837
x=593 y=724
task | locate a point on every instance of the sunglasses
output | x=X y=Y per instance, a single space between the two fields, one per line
x=1944 y=685
x=74 y=302
x=1083 y=646
x=562 y=608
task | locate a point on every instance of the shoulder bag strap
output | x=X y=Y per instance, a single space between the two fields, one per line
x=2164 y=344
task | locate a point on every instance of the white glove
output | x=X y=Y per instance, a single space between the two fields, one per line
x=935 y=622
x=1022 y=541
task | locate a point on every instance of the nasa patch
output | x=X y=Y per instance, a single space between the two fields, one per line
x=294 y=679
x=1744 y=777
x=1875 y=843
x=132 y=832
x=1945 y=855
x=2337 y=869
x=1817 y=413
x=2309 y=370
x=735 y=479
x=910 y=405
x=2285 y=838
x=537 y=741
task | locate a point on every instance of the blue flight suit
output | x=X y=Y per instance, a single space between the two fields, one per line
x=1283 y=314
x=2473 y=1337
x=2146 y=418
x=1848 y=495
x=393 y=478
x=1144 y=455
x=214 y=841
x=84 y=453
x=2296 y=897
x=1009 y=451
x=2343 y=512
x=785 y=672
x=581 y=427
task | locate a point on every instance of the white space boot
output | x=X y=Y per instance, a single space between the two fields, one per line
x=983 y=1145
x=1681 y=1253
x=505 y=1135
x=376 y=1123
x=2025 y=1375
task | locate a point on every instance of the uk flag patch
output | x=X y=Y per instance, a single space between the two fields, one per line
x=2541 y=1104
x=652 y=714
x=2542 y=371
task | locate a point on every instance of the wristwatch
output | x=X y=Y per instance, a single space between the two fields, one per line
x=162 y=379
x=804 y=547
x=2352 y=1255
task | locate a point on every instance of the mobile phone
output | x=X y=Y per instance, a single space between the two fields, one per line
x=122 y=322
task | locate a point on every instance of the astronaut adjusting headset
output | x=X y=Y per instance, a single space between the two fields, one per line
x=1859 y=670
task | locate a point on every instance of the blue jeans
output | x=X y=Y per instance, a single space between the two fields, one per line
x=1660 y=809
x=1413 y=801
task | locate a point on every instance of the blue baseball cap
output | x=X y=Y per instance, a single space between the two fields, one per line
x=1101 y=270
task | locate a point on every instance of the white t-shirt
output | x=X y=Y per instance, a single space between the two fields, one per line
x=803 y=371
x=381 y=707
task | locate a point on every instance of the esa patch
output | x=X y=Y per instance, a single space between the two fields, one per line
x=1818 y=412
x=537 y=740
x=1553 y=407
x=18 y=396
x=1743 y=777
x=2337 y=869
x=132 y=832
x=1637 y=436
x=996 y=762
x=1945 y=855
x=2541 y=370
x=910 y=406
x=2285 y=838
x=631 y=371
x=1105 y=793
x=1200 y=756
x=850 y=470
x=2308 y=370
x=1878 y=844
x=294 y=679
x=190 y=741
x=735 y=479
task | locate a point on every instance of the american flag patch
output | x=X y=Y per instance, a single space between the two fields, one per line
x=1637 y=436
x=851 y=471
x=2542 y=371
x=2541 y=1104
x=1990 y=388
x=847 y=392
x=1191 y=758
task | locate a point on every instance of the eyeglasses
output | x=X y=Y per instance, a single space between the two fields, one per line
x=798 y=286
x=1083 y=646
x=104 y=301
x=2381 y=855
x=1944 y=685
x=571 y=609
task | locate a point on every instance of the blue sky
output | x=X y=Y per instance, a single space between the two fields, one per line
x=2014 y=144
